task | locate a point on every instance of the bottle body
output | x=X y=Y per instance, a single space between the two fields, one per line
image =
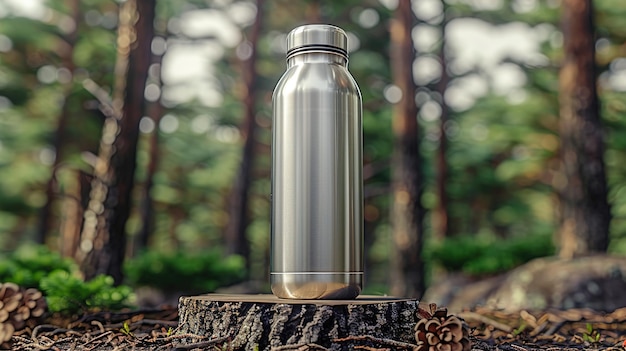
x=317 y=195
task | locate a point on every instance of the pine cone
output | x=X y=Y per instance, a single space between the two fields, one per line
x=19 y=308
x=437 y=331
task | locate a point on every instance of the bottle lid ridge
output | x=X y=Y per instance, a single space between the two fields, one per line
x=317 y=37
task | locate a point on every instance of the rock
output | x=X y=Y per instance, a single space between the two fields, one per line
x=597 y=282
x=458 y=291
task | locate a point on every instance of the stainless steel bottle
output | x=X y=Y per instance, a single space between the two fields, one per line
x=317 y=181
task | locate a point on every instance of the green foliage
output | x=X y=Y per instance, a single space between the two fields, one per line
x=126 y=329
x=478 y=257
x=28 y=265
x=591 y=335
x=181 y=271
x=69 y=294
x=37 y=267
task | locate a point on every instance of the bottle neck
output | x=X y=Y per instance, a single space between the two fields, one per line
x=316 y=57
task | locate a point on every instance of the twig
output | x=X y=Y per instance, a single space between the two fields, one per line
x=96 y=322
x=38 y=328
x=486 y=320
x=183 y=336
x=164 y=347
x=97 y=338
x=40 y=347
x=124 y=316
x=21 y=339
x=143 y=322
x=202 y=344
x=102 y=96
x=517 y=347
x=555 y=328
x=387 y=342
x=298 y=347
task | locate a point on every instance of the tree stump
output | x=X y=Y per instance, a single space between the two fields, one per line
x=264 y=322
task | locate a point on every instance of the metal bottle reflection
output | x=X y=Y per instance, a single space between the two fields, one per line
x=317 y=195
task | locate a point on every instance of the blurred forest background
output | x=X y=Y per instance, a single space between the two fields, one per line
x=135 y=136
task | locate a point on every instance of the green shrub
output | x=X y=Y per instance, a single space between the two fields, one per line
x=478 y=257
x=69 y=294
x=181 y=271
x=34 y=266
x=27 y=265
x=454 y=253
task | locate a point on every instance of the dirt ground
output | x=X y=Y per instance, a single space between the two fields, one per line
x=576 y=329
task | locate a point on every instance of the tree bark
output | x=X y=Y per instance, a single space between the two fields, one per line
x=104 y=236
x=147 y=204
x=585 y=212
x=264 y=322
x=73 y=211
x=60 y=140
x=155 y=111
x=313 y=11
x=440 y=213
x=236 y=239
x=407 y=211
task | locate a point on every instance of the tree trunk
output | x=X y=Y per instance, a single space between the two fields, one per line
x=440 y=213
x=313 y=12
x=156 y=111
x=73 y=213
x=264 y=322
x=147 y=205
x=236 y=239
x=585 y=212
x=407 y=212
x=60 y=139
x=104 y=235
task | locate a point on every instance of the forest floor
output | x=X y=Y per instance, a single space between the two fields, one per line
x=576 y=329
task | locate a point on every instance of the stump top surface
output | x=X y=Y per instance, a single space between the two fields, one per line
x=271 y=299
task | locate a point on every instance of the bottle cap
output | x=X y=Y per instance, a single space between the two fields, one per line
x=317 y=37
